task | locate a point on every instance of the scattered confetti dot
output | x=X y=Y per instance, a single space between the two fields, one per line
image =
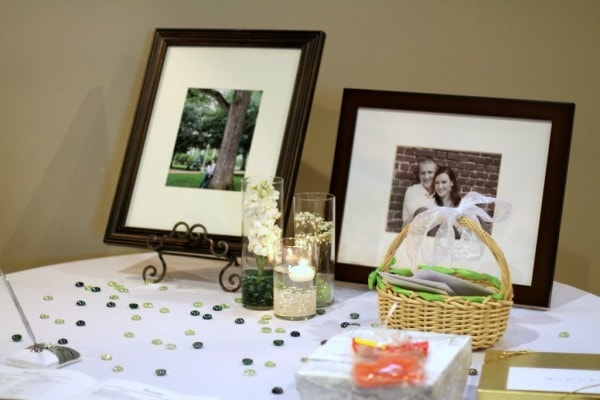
x=117 y=368
x=133 y=306
x=198 y=304
x=128 y=334
x=195 y=313
x=113 y=297
x=163 y=288
x=164 y=310
x=112 y=283
x=320 y=311
x=277 y=390
x=48 y=298
x=207 y=316
x=111 y=304
x=323 y=342
x=161 y=372
x=294 y=333
x=278 y=342
x=239 y=321
x=156 y=341
x=265 y=329
x=190 y=332
x=170 y=346
x=136 y=317
x=80 y=323
x=44 y=316
x=16 y=338
x=106 y=357
x=564 y=334
x=249 y=372
x=80 y=303
x=472 y=371
x=354 y=315
x=79 y=284
x=148 y=305
x=96 y=289
x=280 y=330
x=59 y=321
x=344 y=324
x=197 y=345
x=238 y=300
x=247 y=361
x=270 y=364
x=217 y=308
x=63 y=341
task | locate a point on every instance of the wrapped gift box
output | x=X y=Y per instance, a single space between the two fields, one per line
x=327 y=374
x=525 y=375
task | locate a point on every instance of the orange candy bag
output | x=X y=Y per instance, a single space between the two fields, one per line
x=381 y=365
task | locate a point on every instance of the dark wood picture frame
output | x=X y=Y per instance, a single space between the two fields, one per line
x=304 y=48
x=559 y=117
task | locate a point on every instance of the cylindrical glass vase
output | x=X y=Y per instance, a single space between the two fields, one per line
x=261 y=235
x=314 y=220
x=295 y=292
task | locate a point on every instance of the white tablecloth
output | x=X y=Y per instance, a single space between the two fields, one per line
x=217 y=369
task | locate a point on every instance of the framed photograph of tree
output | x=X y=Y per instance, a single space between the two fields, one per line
x=215 y=106
x=391 y=146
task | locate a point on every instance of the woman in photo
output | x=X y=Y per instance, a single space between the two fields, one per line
x=445 y=187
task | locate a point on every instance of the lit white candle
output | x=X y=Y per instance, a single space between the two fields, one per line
x=302 y=272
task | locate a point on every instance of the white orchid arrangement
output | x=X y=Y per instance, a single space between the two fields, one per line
x=260 y=209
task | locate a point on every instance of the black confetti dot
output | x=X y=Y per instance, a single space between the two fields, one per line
x=354 y=315
x=247 y=361
x=323 y=342
x=79 y=284
x=217 y=308
x=16 y=338
x=161 y=372
x=295 y=333
x=195 y=313
x=63 y=341
x=80 y=303
x=207 y=316
x=239 y=321
x=344 y=324
x=111 y=304
x=95 y=289
x=278 y=342
x=133 y=306
x=277 y=390
x=320 y=311
x=80 y=323
x=197 y=345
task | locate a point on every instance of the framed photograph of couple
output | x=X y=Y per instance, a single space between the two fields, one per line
x=215 y=106
x=390 y=144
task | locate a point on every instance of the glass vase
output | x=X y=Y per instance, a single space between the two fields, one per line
x=295 y=292
x=314 y=221
x=261 y=235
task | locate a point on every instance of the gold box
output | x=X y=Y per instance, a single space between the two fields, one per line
x=497 y=364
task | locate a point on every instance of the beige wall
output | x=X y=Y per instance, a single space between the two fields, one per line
x=71 y=71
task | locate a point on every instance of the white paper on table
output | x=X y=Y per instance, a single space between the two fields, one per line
x=553 y=380
x=51 y=384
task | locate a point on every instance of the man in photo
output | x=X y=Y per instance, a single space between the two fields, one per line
x=419 y=196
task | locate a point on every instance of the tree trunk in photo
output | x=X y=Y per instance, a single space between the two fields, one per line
x=223 y=179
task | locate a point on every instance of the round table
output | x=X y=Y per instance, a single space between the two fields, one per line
x=161 y=331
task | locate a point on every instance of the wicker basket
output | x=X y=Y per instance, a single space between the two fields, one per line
x=485 y=322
